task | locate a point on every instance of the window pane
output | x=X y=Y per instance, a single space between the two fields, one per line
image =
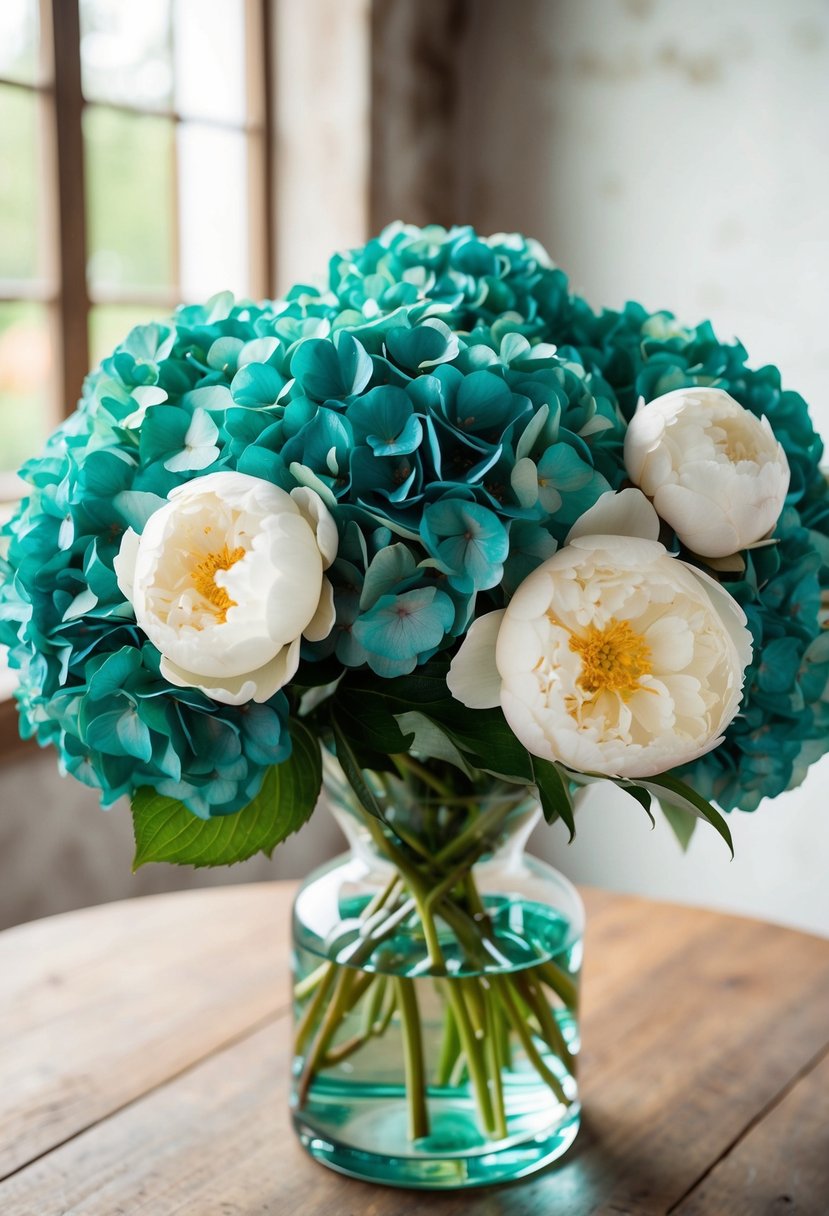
x=109 y=324
x=20 y=189
x=25 y=382
x=19 y=39
x=213 y=211
x=130 y=200
x=125 y=52
x=209 y=41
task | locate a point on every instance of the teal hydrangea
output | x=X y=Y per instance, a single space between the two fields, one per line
x=458 y=409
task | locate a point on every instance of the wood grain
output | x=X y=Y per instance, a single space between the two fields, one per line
x=98 y=1006
x=702 y=1087
x=781 y=1165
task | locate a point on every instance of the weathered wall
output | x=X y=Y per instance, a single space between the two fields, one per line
x=676 y=155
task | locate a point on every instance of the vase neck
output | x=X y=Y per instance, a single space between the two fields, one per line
x=439 y=831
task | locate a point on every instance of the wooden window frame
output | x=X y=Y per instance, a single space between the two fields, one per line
x=64 y=289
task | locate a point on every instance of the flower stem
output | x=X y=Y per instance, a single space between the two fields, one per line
x=313 y=1009
x=473 y=1050
x=405 y=763
x=504 y=990
x=450 y=1048
x=412 y=1057
x=557 y=979
x=495 y=1062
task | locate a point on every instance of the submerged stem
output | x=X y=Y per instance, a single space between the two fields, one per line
x=412 y=1057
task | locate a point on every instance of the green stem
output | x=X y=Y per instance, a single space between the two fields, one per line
x=475 y=1006
x=479 y=830
x=495 y=1062
x=556 y=977
x=412 y=1057
x=416 y=886
x=459 y=1072
x=386 y=1013
x=549 y=1028
x=312 y=1011
x=372 y=1007
x=312 y=981
x=404 y=763
x=472 y=1049
x=450 y=1048
x=333 y=1018
x=326 y=970
x=504 y=991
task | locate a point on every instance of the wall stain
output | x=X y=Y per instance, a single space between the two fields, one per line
x=640 y=9
x=700 y=67
x=729 y=232
x=611 y=185
x=809 y=36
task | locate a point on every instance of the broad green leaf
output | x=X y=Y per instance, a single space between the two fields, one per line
x=554 y=793
x=166 y=831
x=682 y=824
x=671 y=791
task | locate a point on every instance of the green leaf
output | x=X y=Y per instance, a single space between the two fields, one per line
x=369 y=722
x=682 y=824
x=673 y=792
x=554 y=793
x=482 y=734
x=642 y=797
x=166 y=831
x=431 y=742
x=351 y=767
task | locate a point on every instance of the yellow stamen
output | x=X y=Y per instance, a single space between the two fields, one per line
x=204 y=579
x=613 y=659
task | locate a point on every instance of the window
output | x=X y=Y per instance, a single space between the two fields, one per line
x=138 y=142
x=135 y=144
x=136 y=132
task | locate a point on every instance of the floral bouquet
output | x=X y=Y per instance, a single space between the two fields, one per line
x=447 y=541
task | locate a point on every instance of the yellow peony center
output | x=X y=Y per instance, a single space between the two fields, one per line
x=613 y=659
x=204 y=579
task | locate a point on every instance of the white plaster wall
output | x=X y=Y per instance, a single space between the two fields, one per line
x=676 y=154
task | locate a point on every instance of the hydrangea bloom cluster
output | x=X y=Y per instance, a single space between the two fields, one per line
x=457 y=410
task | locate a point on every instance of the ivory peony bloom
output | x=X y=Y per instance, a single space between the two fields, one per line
x=714 y=471
x=612 y=657
x=226 y=579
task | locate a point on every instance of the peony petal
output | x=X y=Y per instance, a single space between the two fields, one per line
x=315 y=512
x=700 y=523
x=620 y=513
x=259 y=685
x=473 y=678
x=324 y=619
x=670 y=642
x=125 y=563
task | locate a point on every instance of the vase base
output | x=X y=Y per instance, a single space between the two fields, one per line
x=437 y=1168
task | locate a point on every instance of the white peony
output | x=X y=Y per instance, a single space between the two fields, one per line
x=612 y=657
x=714 y=471
x=226 y=579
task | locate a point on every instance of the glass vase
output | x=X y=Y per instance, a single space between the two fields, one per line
x=436 y=972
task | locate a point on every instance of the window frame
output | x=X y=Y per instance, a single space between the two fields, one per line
x=64 y=289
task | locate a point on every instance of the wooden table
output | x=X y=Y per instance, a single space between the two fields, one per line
x=144 y=1049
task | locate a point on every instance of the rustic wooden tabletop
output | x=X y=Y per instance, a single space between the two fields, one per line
x=144 y=1049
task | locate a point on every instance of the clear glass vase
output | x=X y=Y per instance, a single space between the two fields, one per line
x=436 y=975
